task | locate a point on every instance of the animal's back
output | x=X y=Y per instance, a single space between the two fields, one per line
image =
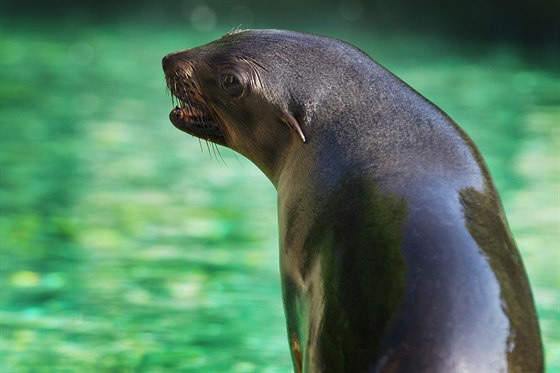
x=409 y=259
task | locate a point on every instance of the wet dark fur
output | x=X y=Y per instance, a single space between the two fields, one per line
x=395 y=253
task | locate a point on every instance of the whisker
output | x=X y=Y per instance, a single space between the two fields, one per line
x=200 y=143
x=238 y=160
x=220 y=154
x=208 y=147
x=213 y=146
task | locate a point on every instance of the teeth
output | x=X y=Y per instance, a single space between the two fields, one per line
x=187 y=112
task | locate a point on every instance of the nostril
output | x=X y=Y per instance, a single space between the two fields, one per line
x=167 y=61
x=170 y=60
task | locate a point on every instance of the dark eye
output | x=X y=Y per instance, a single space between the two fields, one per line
x=231 y=84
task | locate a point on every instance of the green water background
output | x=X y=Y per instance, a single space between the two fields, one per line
x=128 y=246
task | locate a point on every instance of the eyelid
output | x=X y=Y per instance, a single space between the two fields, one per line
x=235 y=90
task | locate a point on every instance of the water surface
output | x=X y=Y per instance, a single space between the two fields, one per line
x=129 y=246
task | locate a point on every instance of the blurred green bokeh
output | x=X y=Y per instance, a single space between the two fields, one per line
x=126 y=245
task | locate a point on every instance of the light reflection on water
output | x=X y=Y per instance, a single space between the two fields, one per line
x=124 y=246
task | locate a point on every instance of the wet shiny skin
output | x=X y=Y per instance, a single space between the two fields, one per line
x=394 y=250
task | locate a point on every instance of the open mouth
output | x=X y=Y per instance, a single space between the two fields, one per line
x=193 y=116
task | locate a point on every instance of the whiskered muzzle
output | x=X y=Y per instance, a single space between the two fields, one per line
x=192 y=113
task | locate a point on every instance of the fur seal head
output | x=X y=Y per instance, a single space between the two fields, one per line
x=226 y=93
x=257 y=93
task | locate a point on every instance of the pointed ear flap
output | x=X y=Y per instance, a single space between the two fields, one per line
x=292 y=122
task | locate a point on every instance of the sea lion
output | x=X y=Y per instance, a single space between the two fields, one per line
x=395 y=253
